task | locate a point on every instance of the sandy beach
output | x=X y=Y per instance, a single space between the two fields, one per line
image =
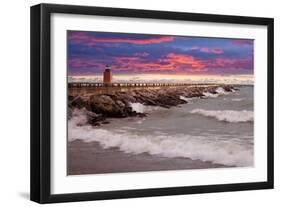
x=91 y=158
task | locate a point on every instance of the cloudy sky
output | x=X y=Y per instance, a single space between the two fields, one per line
x=154 y=58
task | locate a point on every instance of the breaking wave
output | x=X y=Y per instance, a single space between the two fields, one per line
x=211 y=95
x=188 y=100
x=237 y=99
x=186 y=146
x=138 y=107
x=227 y=115
x=184 y=98
x=219 y=90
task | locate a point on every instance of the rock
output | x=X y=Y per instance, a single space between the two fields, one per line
x=141 y=115
x=96 y=124
x=101 y=104
x=70 y=98
x=69 y=113
x=93 y=117
x=126 y=97
x=120 y=104
x=211 y=90
x=228 y=88
x=150 y=102
x=104 y=104
x=133 y=113
x=86 y=117
x=77 y=102
x=98 y=107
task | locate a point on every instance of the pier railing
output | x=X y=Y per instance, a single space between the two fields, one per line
x=96 y=85
x=84 y=88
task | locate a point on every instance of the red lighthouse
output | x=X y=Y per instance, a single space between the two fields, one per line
x=107 y=75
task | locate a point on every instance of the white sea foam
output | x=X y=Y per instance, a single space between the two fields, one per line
x=185 y=99
x=79 y=116
x=237 y=99
x=221 y=91
x=211 y=95
x=188 y=100
x=140 y=121
x=153 y=108
x=138 y=107
x=161 y=144
x=227 y=115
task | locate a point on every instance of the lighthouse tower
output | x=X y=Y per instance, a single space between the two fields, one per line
x=107 y=76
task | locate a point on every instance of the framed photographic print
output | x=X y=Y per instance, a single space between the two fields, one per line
x=133 y=103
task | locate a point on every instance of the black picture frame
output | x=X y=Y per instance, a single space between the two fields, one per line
x=41 y=95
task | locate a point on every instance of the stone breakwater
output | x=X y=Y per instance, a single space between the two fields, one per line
x=98 y=107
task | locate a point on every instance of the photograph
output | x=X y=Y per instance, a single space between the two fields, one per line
x=129 y=103
x=157 y=102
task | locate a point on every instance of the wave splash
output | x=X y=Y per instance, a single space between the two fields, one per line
x=238 y=99
x=219 y=90
x=179 y=145
x=210 y=95
x=138 y=107
x=141 y=108
x=226 y=115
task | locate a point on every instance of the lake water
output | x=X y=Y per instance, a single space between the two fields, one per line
x=217 y=128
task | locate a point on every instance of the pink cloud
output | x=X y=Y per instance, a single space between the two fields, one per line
x=171 y=62
x=211 y=50
x=81 y=37
x=226 y=63
x=217 y=50
x=242 y=42
x=186 y=61
x=84 y=63
x=137 y=63
x=204 y=49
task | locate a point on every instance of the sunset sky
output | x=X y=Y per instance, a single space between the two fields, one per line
x=159 y=58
